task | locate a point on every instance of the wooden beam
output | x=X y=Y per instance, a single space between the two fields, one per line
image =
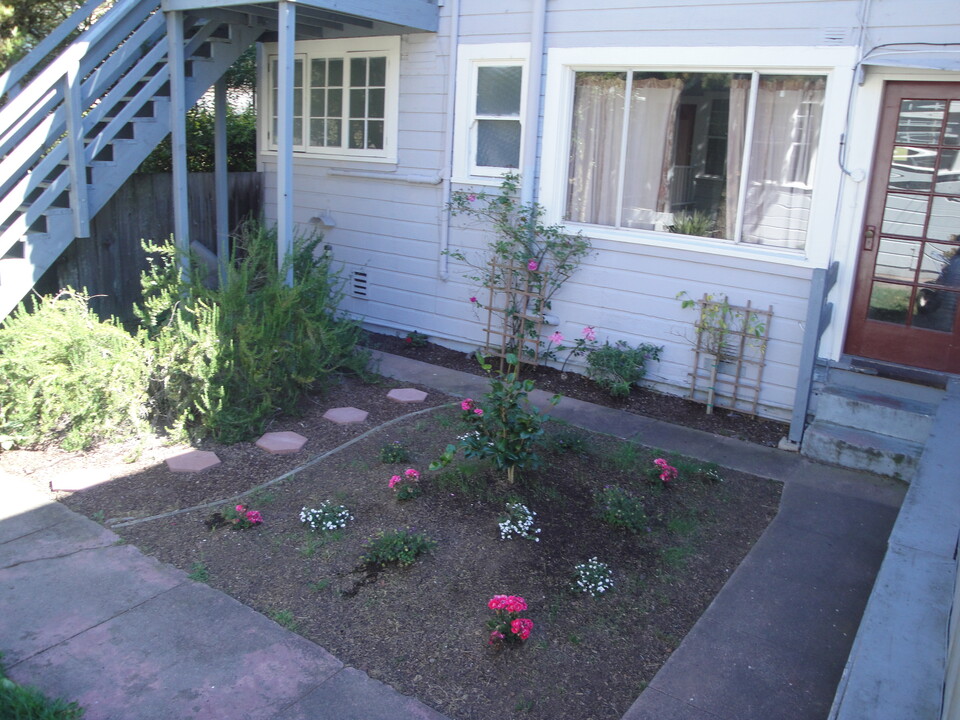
x=178 y=136
x=220 y=177
x=414 y=14
x=286 y=26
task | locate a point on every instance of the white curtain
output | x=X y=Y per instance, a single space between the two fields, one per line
x=782 y=161
x=650 y=139
x=736 y=133
x=595 y=147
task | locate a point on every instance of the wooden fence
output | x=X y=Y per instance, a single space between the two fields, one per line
x=110 y=261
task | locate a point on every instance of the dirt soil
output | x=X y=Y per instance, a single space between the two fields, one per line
x=642 y=401
x=423 y=628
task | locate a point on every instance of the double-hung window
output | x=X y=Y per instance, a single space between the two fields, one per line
x=490 y=104
x=726 y=155
x=639 y=143
x=344 y=97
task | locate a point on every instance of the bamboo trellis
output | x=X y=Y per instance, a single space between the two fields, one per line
x=514 y=313
x=730 y=354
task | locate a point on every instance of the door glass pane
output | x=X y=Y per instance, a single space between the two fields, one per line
x=944 y=219
x=317 y=103
x=897 y=259
x=333 y=133
x=498 y=90
x=889 y=303
x=358 y=72
x=935 y=309
x=912 y=168
x=948 y=176
x=498 y=143
x=316 y=132
x=904 y=215
x=920 y=121
x=335 y=103
x=940 y=265
x=378 y=71
x=375 y=134
x=358 y=103
x=952 y=136
x=356 y=134
x=318 y=73
x=375 y=100
x=335 y=73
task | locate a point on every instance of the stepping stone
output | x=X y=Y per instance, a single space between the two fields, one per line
x=282 y=443
x=194 y=461
x=346 y=415
x=407 y=395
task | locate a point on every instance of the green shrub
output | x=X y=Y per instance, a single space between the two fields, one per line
x=67 y=377
x=621 y=509
x=228 y=359
x=617 y=368
x=395 y=452
x=400 y=546
x=19 y=702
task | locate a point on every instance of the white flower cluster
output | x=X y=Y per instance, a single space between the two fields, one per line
x=593 y=577
x=519 y=522
x=326 y=518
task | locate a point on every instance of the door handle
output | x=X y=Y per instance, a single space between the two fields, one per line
x=869 y=233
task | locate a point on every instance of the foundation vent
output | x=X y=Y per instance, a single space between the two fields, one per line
x=358 y=284
x=837 y=36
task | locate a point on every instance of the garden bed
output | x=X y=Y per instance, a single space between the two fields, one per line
x=422 y=628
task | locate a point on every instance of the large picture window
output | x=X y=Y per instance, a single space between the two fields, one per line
x=345 y=97
x=723 y=155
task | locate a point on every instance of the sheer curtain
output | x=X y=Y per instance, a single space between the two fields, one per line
x=782 y=161
x=650 y=139
x=595 y=147
x=736 y=135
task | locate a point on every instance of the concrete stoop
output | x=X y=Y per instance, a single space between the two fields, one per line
x=871 y=423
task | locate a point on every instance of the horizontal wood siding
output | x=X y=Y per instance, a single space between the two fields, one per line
x=391 y=230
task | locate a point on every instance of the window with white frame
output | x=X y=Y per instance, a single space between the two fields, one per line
x=491 y=89
x=727 y=155
x=344 y=97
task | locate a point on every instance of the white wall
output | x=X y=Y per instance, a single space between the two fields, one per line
x=390 y=229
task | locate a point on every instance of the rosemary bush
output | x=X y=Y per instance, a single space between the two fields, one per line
x=66 y=377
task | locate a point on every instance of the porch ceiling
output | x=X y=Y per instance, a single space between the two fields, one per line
x=327 y=18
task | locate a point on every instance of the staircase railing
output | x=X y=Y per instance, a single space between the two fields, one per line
x=45 y=147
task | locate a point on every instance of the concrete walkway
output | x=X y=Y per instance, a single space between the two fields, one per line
x=84 y=617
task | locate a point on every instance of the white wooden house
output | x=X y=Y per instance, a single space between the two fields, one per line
x=814 y=134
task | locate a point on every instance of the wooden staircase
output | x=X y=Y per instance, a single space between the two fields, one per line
x=75 y=127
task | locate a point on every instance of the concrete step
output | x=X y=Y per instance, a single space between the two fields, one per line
x=862 y=450
x=925 y=388
x=876 y=412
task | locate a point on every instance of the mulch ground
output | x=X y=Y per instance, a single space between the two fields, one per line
x=422 y=628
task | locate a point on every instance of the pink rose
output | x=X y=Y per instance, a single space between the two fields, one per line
x=478 y=411
x=521 y=627
x=495 y=637
x=254 y=517
x=394 y=481
x=515 y=603
x=240 y=508
x=473 y=300
x=497 y=602
x=471 y=198
x=466 y=404
x=556 y=338
x=532 y=265
x=589 y=335
x=411 y=473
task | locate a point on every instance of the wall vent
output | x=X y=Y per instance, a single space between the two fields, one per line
x=837 y=36
x=358 y=284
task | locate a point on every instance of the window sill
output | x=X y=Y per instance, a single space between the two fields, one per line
x=339 y=157
x=690 y=243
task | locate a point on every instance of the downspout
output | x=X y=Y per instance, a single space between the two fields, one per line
x=531 y=123
x=443 y=270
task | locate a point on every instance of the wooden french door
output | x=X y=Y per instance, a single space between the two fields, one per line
x=905 y=303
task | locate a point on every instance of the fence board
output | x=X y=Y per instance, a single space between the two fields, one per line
x=110 y=261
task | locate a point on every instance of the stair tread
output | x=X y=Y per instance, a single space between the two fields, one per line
x=872 y=397
x=865 y=438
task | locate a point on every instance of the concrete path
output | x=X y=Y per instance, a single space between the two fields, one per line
x=84 y=617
